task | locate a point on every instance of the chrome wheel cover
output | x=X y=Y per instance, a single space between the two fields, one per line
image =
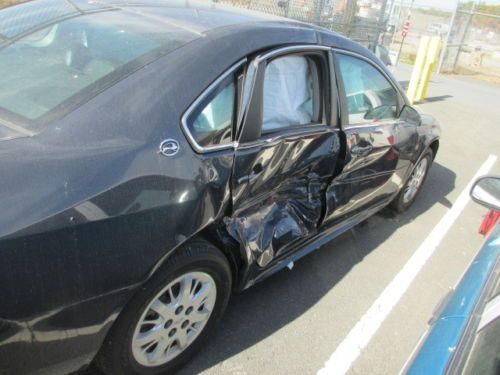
x=174 y=319
x=415 y=181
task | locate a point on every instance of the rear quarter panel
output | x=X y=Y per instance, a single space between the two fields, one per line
x=89 y=208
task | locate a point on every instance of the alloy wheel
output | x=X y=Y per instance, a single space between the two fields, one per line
x=174 y=318
x=415 y=181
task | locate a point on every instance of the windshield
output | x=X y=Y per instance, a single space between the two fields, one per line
x=41 y=70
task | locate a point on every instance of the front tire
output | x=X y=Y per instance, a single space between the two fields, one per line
x=410 y=190
x=172 y=316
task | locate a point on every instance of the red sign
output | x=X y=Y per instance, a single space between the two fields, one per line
x=406 y=28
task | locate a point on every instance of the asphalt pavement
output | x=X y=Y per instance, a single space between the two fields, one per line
x=296 y=321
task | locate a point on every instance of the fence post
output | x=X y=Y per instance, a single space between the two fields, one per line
x=349 y=12
x=395 y=31
x=464 y=35
x=447 y=39
x=320 y=5
x=287 y=9
x=381 y=22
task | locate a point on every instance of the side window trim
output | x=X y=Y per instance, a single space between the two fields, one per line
x=299 y=131
x=335 y=93
x=198 y=101
x=341 y=89
x=246 y=137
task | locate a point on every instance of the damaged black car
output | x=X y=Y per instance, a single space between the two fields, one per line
x=155 y=159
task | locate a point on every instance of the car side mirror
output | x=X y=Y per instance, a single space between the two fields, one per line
x=486 y=192
x=410 y=114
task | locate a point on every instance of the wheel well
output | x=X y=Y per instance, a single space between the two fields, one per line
x=217 y=237
x=434 y=146
x=226 y=245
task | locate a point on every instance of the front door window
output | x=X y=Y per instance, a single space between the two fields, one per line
x=370 y=96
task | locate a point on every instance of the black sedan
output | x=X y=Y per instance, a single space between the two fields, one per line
x=155 y=158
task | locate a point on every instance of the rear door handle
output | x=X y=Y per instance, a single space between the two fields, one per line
x=361 y=150
x=256 y=172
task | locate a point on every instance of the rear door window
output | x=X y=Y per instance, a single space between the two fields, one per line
x=211 y=122
x=291 y=93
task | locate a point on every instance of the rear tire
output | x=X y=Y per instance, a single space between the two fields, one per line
x=172 y=316
x=413 y=185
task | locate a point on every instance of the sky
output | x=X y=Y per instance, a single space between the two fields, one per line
x=445 y=4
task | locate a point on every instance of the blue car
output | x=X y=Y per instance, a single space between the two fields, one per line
x=464 y=333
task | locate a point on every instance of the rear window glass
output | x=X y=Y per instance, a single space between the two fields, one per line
x=43 y=69
x=211 y=123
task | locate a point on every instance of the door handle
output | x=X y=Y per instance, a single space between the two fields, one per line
x=361 y=150
x=256 y=172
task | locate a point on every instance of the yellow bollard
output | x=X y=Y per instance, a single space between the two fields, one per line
x=417 y=68
x=432 y=55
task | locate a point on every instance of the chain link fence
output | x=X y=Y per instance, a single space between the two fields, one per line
x=471 y=34
x=473 y=45
x=422 y=22
x=361 y=20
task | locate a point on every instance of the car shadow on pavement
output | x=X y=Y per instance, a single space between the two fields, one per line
x=433 y=99
x=258 y=312
x=404 y=84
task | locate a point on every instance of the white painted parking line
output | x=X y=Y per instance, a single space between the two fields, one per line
x=360 y=335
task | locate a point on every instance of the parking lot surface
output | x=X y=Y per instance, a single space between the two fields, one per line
x=296 y=321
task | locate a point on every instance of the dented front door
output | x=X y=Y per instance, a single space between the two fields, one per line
x=280 y=177
x=380 y=143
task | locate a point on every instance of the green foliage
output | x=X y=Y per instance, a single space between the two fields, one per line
x=481 y=7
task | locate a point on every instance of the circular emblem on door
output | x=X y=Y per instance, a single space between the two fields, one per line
x=169 y=147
